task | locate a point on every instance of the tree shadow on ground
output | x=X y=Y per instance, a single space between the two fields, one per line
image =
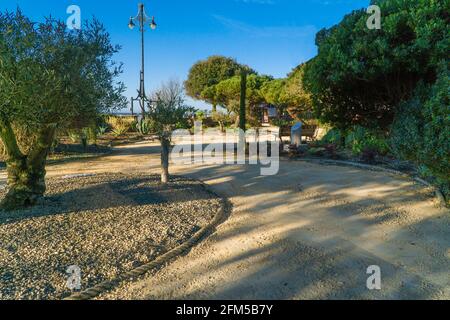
x=119 y=190
x=305 y=260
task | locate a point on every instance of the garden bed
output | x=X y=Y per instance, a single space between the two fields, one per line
x=104 y=224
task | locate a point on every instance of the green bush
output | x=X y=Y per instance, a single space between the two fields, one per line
x=360 y=139
x=421 y=130
x=120 y=125
x=334 y=136
x=200 y=115
x=74 y=135
x=91 y=134
x=143 y=127
x=102 y=129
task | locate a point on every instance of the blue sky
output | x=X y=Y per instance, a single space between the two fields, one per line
x=271 y=36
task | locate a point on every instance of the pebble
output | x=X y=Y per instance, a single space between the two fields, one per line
x=104 y=224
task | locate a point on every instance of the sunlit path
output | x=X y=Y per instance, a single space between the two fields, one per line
x=309 y=232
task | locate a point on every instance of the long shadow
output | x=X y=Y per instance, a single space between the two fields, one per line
x=333 y=269
x=294 y=267
x=300 y=264
x=310 y=267
x=122 y=192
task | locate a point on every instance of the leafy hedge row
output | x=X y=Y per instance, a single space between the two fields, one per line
x=394 y=80
x=421 y=130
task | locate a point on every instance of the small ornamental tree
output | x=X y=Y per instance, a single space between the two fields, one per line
x=168 y=114
x=50 y=78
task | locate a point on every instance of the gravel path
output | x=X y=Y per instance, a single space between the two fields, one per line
x=309 y=232
x=105 y=224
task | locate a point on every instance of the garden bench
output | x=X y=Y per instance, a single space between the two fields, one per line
x=308 y=131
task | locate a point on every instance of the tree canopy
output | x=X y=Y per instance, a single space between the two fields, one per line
x=207 y=73
x=289 y=93
x=50 y=78
x=360 y=76
x=228 y=92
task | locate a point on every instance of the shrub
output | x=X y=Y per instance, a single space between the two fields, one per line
x=421 y=130
x=369 y=155
x=331 y=151
x=200 y=115
x=333 y=136
x=101 y=130
x=91 y=135
x=144 y=127
x=84 y=138
x=281 y=123
x=74 y=135
x=120 y=125
x=360 y=139
x=223 y=119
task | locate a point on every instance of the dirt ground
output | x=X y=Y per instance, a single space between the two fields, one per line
x=309 y=232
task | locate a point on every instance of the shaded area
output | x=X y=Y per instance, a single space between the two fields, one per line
x=311 y=232
x=105 y=224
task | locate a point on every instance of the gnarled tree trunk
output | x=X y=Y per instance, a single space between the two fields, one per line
x=26 y=173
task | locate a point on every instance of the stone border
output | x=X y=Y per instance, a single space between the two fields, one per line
x=164 y=259
x=439 y=195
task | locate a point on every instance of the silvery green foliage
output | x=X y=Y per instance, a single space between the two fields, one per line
x=52 y=75
x=169 y=111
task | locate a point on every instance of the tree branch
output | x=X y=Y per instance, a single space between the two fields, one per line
x=9 y=140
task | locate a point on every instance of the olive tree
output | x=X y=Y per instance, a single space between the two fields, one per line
x=169 y=113
x=50 y=78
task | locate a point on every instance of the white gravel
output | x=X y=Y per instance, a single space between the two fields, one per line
x=105 y=224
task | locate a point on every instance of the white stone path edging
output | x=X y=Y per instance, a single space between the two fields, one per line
x=439 y=196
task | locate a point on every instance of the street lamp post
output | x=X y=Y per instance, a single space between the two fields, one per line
x=141 y=19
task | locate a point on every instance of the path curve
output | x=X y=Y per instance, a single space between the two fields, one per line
x=309 y=232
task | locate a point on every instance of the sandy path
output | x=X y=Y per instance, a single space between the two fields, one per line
x=310 y=232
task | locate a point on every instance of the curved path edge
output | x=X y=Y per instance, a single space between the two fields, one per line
x=438 y=193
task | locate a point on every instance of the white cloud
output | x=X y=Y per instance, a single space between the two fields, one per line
x=269 y=31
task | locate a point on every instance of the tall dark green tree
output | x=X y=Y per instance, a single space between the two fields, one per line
x=360 y=76
x=50 y=78
x=243 y=102
x=228 y=95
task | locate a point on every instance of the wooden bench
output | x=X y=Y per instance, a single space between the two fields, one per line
x=309 y=132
